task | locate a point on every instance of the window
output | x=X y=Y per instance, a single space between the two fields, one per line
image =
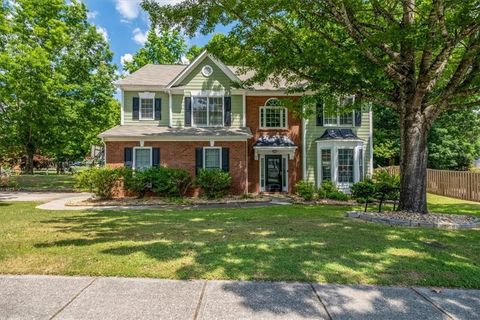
x=334 y=119
x=262 y=172
x=207 y=111
x=142 y=158
x=345 y=165
x=360 y=164
x=273 y=115
x=147 y=109
x=326 y=165
x=207 y=70
x=212 y=158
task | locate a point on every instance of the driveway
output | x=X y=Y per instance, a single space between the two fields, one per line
x=58 y=297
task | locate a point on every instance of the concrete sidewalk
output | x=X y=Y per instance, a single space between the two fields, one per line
x=56 y=297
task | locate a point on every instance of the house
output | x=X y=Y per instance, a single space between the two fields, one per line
x=196 y=116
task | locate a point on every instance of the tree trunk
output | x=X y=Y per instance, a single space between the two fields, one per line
x=413 y=163
x=29 y=163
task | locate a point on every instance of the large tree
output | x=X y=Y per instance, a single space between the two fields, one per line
x=56 y=75
x=417 y=57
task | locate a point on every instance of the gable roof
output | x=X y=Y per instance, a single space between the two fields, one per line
x=171 y=75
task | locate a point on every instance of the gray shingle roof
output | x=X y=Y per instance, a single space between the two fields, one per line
x=162 y=74
x=274 y=141
x=152 y=131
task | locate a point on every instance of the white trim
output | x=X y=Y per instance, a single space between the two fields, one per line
x=179 y=78
x=319 y=166
x=104 y=153
x=338 y=125
x=304 y=146
x=207 y=70
x=140 y=117
x=134 y=152
x=219 y=154
x=284 y=160
x=170 y=109
x=244 y=110
x=180 y=138
x=207 y=93
x=246 y=167
x=259 y=150
x=146 y=95
x=122 y=107
x=370 y=121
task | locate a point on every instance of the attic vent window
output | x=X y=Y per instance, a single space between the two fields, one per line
x=207 y=70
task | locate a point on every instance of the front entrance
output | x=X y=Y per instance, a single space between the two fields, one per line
x=273 y=173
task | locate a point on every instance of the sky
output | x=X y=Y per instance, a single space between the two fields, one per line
x=125 y=25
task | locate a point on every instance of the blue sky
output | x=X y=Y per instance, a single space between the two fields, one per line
x=124 y=24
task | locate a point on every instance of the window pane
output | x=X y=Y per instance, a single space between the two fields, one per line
x=273 y=117
x=345 y=165
x=326 y=165
x=146 y=109
x=346 y=118
x=360 y=165
x=330 y=118
x=284 y=172
x=212 y=158
x=142 y=158
x=200 y=111
x=215 y=111
x=262 y=172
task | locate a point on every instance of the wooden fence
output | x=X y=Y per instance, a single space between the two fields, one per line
x=456 y=184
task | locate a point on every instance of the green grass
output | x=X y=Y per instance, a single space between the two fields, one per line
x=293 y=243
x=43 y=182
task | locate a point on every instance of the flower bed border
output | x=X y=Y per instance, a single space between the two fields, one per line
x=411 y=223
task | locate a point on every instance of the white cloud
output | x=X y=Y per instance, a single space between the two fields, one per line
x=103 y=32
x=130 y=9
x=92 y=14
x=127 y=57
x=139 y=36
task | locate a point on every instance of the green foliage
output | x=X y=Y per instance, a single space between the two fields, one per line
x=101 y=181
x=162 y=47
x=387 y=187
x=214 y=183
x=306 y=190
x=329 y=191
x=57 y=86
x=364 y=192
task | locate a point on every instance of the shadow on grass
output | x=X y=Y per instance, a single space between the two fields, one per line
x=288 y=243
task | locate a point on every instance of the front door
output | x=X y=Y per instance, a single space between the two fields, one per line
x=273 y=173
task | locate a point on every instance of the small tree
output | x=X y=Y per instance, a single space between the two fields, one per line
x=387 y=187
x=364 y=191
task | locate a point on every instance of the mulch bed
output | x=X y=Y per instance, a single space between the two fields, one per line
x=410 y=219
x=156 y=201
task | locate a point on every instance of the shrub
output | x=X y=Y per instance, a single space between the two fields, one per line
x=100 y=181
x=5 y=177
x=329 y=191
x=387 y=187
x=364 y=192
x=306 y=190
x=214 y=183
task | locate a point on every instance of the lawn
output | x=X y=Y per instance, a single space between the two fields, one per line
x=43 y=182
x=293 y=243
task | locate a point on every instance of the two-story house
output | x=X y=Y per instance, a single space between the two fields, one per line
x=195 y=116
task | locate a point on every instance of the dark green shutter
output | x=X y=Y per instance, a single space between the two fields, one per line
x=358 y=117
x=226 y=159
x=155 y=157
x=158 y=109
x=320 y=114
x=128 y=157
x=188 y=111
x=198 y=159
x=135 y=108
x=227 y=104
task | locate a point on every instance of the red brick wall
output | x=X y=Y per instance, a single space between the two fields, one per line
x=293 y=132
x=181 y=154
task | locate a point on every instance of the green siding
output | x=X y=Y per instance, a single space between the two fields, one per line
x=313 y=132
x=128 y=106
x=197 y=81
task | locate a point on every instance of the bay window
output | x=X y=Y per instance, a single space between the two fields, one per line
x=345 y=165
x=326 y=158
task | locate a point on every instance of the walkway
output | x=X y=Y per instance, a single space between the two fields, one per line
x=58 y=297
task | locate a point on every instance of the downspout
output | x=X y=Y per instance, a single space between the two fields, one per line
x=246 y=166
x=244 y=120
x=104 y=152
x=170 y=107
x=304 y=147
x=122 y=106
x=370 y=120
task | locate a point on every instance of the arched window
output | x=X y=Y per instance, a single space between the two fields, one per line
x=273 y=115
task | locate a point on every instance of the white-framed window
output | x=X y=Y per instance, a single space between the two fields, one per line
x=273 y=115
x=147 y=109
x=142 y=158
x=326 y=164
x=212 y=158
x=345 y=165
x=332 y=119
x=207 y=111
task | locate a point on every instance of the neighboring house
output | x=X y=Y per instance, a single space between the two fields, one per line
x=196 y=117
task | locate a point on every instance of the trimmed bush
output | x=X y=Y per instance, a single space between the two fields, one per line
x=387 y=187
x=166 y=182
x=364 y=192
x=100 y=181
x=214 y=183
x=306 y=190
x=329 y=191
